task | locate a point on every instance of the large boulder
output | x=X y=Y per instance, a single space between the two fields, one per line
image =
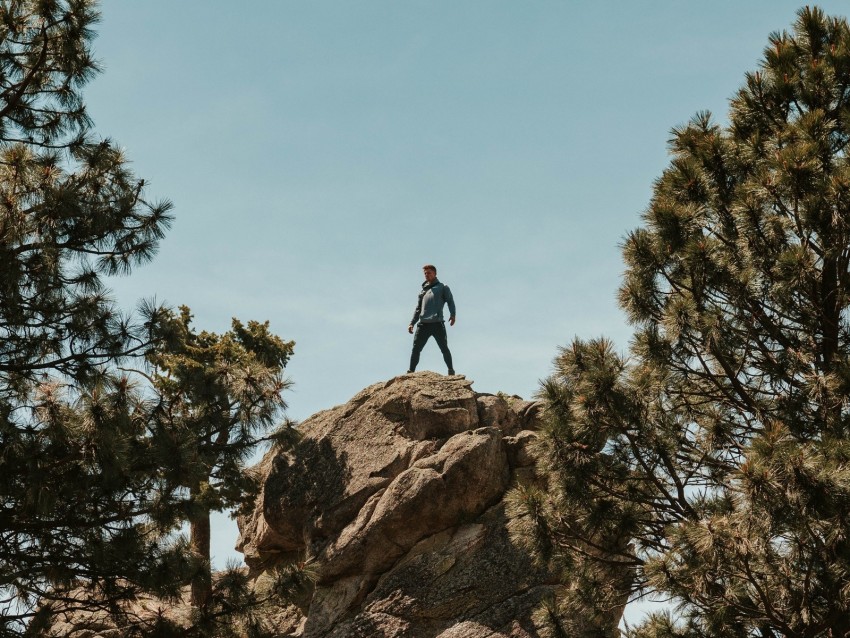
x=395 y=499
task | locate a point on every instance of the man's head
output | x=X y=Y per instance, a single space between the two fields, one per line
x=430 y=272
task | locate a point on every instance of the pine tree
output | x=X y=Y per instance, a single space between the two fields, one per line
x=219 y=395
x=712 y=465
x=76 y=462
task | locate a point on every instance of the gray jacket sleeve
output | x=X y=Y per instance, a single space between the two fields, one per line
x=416 y=311
x=447 y=294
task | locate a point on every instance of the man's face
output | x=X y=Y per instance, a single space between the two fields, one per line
x=430 y=275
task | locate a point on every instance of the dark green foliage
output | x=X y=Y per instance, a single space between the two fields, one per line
x=236 y=607
x=70 y=209
x=77 y=478
x=711 y=465
x=75 y=460
x=94 y=471
x=218 y=397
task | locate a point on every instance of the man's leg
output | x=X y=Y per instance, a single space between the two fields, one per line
x=419 y=338
x=443 y=342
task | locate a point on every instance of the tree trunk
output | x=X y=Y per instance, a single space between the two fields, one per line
x=199 y=535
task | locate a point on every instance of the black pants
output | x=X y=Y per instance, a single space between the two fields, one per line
x=423 y=332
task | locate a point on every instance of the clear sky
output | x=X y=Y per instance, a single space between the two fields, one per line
x=318 y=153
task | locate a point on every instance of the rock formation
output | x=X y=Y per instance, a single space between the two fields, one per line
x=396 y=501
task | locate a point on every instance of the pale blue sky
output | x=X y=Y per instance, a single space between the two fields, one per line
x=318 y=153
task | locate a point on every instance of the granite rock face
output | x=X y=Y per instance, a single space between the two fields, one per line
x=395 y=500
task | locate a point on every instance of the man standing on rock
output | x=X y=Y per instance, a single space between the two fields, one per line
x=429 y=314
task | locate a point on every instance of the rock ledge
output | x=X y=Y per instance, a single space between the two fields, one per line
x=395 y=500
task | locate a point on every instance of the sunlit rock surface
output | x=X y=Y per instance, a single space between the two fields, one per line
x=395 y=500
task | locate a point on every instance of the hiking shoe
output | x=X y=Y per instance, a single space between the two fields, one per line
x=451 y=373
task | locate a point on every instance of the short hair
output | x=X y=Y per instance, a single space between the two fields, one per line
x=430 y=267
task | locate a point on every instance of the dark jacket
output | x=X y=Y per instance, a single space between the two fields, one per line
x=429 y=305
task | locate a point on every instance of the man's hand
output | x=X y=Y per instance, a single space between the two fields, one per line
x=451 y=321
x=410 y=328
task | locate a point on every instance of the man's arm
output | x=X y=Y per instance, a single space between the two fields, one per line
x=447 y=295
x=415 y=315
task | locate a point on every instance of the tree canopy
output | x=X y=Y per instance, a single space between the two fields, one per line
x=114 y=428
x=75 y=459
x=218 y=397
x=709 y=466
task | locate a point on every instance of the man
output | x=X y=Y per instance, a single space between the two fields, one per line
x=429 y=314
